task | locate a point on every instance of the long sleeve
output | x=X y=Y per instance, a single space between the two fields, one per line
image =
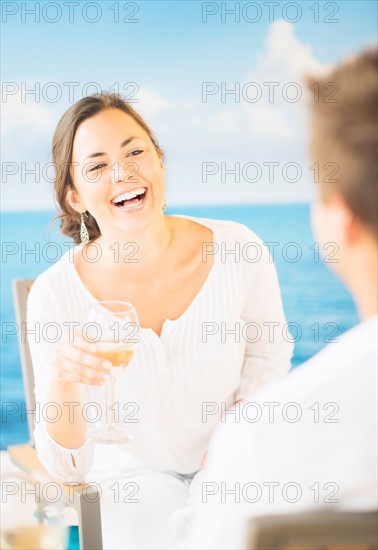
x=44 y=324
x=269 y=345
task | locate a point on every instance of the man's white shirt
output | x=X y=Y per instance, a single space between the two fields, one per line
x=304 y=443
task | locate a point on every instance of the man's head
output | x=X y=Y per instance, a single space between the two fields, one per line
x=344 y=147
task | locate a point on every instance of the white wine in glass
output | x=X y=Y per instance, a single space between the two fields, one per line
x=32 y=537
x=28 y=519
x=116 y=325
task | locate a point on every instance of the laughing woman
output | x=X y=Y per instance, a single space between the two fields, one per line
x=205 y=317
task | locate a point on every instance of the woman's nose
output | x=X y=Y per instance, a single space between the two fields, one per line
x=124 y=171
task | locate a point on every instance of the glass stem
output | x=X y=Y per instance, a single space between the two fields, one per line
x=109 y=419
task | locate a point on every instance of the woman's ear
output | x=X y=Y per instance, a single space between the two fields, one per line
x=161 y=159
x=74 y=201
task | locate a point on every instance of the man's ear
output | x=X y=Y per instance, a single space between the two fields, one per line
x=346 y=220
x=74 y=201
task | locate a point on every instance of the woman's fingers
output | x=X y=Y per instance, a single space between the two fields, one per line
x=77 y=372
x=81 y=343
x=81 y=352
x=77 y=363
x=67 y=376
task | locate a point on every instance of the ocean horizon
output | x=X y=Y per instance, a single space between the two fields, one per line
x=318 y=307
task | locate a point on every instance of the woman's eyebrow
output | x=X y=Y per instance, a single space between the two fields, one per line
x=123 y=144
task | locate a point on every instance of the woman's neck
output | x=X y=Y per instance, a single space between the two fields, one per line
x=140 y=249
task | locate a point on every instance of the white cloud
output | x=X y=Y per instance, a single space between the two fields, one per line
x=27 y=128
x=269 y=122
x=17 y=114
x=285 y=56
x=280 y=72
x=149 y=102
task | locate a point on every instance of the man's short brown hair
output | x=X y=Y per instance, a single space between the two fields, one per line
x=344 y=134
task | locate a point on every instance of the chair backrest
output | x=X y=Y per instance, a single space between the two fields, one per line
x=85 y=499
x=311 y=531
x=21 y=288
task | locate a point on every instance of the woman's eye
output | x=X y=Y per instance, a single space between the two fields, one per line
x=97 y=167
x=136 y=152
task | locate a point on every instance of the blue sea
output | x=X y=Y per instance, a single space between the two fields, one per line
x=317 y=305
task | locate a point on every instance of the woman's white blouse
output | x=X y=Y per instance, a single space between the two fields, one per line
x=231 y=341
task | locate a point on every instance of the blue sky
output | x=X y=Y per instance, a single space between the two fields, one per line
x=169 y=53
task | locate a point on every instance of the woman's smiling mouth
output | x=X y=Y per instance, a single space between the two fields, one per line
x=130 y=199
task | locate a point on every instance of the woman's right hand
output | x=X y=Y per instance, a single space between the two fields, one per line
x=76 y=363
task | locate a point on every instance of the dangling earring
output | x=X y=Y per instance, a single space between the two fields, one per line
x=84 y=236
x=164 y=208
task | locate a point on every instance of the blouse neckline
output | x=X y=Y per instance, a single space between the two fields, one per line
x=167 y=322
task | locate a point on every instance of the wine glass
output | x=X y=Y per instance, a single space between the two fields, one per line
x=32 y=515
x=112 y=329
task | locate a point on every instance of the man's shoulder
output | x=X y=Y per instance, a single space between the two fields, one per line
x=353 y=355
x=343 y=376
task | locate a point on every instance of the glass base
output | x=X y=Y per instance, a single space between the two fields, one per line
x=109 y=435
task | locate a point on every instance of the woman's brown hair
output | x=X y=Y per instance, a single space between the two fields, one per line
x=62 y=155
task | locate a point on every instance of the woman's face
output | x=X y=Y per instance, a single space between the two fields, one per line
x=117 y=173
